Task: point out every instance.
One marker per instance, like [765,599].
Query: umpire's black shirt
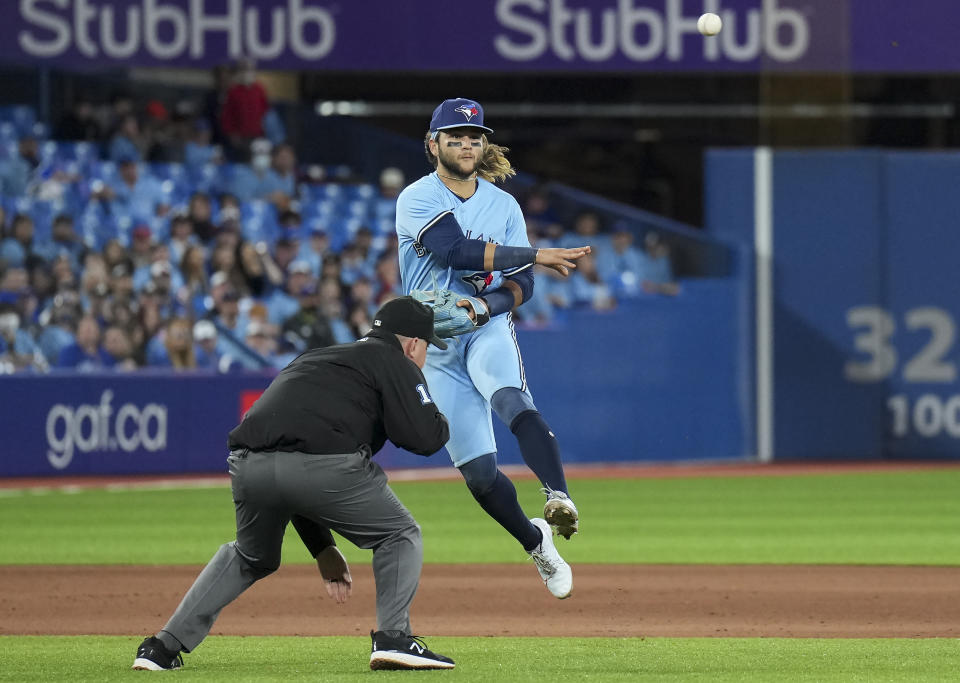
[336,399]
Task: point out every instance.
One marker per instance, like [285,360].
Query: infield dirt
[509,600]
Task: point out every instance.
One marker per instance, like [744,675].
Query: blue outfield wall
[865,254]
[658,379]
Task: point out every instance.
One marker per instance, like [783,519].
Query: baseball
[709,24]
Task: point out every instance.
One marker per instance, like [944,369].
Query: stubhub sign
[644,31]
[499,35]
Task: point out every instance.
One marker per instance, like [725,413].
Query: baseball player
[459,232]
[303,453]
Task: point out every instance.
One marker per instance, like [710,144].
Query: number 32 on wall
[877,326]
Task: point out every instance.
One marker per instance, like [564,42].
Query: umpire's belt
[364,451]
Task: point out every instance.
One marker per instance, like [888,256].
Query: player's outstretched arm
[561,260]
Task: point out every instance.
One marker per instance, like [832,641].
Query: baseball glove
[449,320]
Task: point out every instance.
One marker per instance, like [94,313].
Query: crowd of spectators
[149,247]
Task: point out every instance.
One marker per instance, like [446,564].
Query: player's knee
[258,566]
[509,403]
[480,473]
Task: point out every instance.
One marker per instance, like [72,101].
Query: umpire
[303,454]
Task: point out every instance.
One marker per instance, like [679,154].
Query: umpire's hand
[336,574]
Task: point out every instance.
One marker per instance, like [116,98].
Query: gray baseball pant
[345,492]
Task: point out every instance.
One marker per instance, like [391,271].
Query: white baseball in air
[709,24]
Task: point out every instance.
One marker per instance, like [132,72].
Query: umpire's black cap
[407,316]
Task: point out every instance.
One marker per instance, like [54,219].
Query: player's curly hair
[493,167]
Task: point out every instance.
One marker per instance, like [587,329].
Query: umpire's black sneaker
[395,650]
[153,656]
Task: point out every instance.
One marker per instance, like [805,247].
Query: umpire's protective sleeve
[342,398]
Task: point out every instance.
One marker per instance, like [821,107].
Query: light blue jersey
[475,366]
[490,215]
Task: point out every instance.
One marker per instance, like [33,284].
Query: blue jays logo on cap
[468,110]
[458,113]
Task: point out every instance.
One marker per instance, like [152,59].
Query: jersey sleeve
[418,208]
[411,418]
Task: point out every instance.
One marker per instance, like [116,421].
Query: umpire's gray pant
[346,493]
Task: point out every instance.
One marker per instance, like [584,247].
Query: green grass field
[905,518]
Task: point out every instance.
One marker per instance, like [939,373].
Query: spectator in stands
[42,284]
[315,248]
[622,266]
[176,349]
[117,345]
[114,253]
[18,174]
[94,282]
[163,141]
[538,310]
[352,265]
[153,310]
[285,251]
[658,269]
[205,345]
[181,236]
[587,226]
[386,279]
[121,283]
[284,303]
[391,182]
[279,182]
[141,246]
[111,117]
[200,213]
[252,271]
[259,340]
[361,294]
[308,328]
[80,123]
[586,288]
[17,249]
[85,353]
[213,100]
[127,142]
[199,150]
[360,320]
[196,286]
[58,321]
[538,211]
[63,240]
[133,193]
[246,103]
[227,310]
[330,303]
[18,350]
[363,240]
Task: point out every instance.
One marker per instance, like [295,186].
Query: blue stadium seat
[9,149]
[205,178]
[358,210]
[20,115]
[383,226]
[364,191]
[8,132]
[103,170]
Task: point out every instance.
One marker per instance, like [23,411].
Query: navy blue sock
[498,498]
[539,449]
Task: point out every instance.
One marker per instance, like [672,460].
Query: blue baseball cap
[458,113]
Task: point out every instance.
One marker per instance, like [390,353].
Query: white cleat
[560,512]
[556,573]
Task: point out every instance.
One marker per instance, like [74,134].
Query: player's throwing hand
[561,260]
